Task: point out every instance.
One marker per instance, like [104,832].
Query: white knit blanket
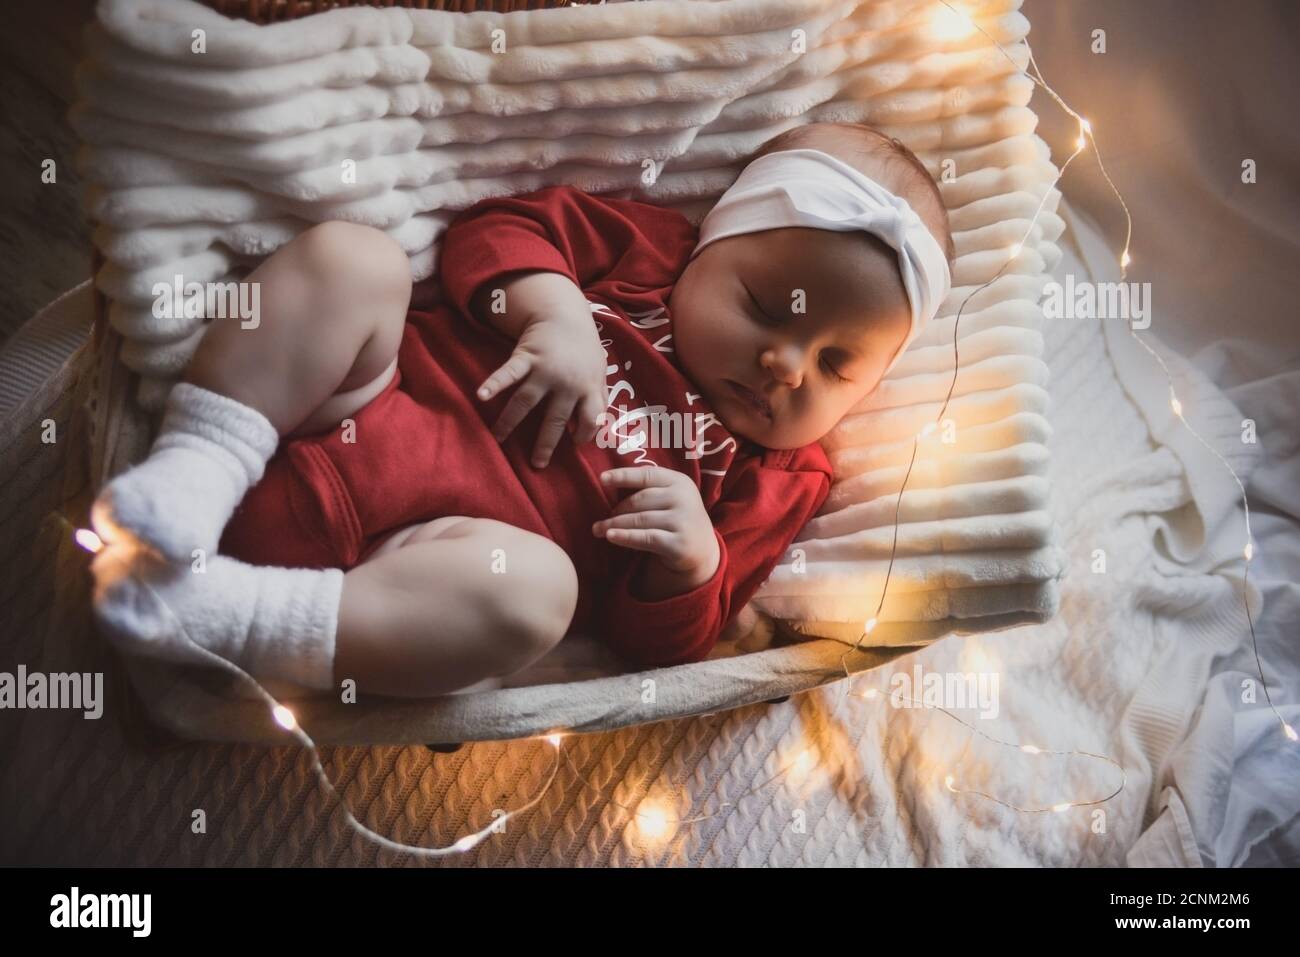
[201,163]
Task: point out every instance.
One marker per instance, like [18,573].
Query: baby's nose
[784,366]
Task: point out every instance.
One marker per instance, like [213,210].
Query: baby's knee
[533,589]
[355,262]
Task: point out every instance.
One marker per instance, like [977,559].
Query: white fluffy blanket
[201,163]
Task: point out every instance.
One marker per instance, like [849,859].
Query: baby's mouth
[750,398]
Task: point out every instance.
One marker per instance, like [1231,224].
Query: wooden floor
[44,236]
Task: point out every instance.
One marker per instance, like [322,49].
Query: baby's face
[806,319]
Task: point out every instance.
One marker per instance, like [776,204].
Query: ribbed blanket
[202,163]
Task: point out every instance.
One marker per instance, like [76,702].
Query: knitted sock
[275,623]
[209,451]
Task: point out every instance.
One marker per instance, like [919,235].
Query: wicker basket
[167,705]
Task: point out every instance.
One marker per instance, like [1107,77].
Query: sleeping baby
[609,422]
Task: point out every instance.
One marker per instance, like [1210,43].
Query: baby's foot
[175,501]
[276,623]
[136,603]
[209,451]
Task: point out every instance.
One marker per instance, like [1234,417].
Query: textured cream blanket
[211,142]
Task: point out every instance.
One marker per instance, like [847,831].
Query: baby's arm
[520,264]
[511,300]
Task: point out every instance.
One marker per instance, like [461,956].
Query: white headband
[807,187]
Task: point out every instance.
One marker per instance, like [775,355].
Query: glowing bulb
[929,428]
[465,843]
[88,540]
[1058,808]
[947,782]
[1176,406]
[869,626]
[1014,251]
[1087,127]
[284,717]
[1249,551]
[949,23]
[1125,260]
[870,694]
[1289,731]
[653,822]
[804,761]
[1080,143]
[554,739]
[1030,749]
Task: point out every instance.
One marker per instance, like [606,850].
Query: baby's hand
[666,517]
[558,354]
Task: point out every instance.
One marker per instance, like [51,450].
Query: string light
[652,819]
[1126,260]
[653,822]
[88,540]
[951,24]
[284,717]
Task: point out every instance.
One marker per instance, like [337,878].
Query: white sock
[275,623]
[209,451]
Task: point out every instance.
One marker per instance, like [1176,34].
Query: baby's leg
[435,610]
[450,603]
[333,302]
[332,308]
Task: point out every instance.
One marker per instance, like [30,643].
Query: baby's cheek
[834,409]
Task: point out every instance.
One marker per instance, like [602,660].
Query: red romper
[423,448]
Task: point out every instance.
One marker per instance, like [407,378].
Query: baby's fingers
[589,409]
[654,540]
[516,410]
[552,430]
[638,476]
[646,500]
[658,519]
[514,369]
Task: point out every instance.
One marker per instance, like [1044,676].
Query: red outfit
[424,448]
